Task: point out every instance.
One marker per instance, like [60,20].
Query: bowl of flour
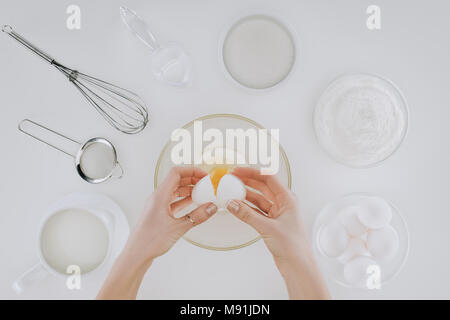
[361,119]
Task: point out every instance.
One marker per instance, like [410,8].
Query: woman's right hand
[275,215]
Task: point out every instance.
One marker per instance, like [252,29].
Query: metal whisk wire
[122,109]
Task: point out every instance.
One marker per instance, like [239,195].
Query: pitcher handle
[30,278]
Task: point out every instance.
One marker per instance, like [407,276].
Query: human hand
[275,215]
[157,229]
[156,232]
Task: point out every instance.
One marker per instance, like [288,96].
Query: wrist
[133,260]
[296,257]
[125,277]
[303,277]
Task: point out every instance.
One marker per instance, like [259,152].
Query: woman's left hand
[158,230]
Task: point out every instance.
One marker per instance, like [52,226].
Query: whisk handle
[10,31]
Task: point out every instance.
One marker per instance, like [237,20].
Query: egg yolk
[216,174]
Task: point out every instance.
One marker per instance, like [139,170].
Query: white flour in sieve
[361,119]
[98,161]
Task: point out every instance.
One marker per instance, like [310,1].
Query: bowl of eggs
[223,231]
[361,241]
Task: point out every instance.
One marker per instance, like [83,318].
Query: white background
[412,49]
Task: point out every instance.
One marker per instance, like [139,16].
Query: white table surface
[412,49]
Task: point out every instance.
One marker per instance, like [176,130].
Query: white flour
[98,161]
[361,120]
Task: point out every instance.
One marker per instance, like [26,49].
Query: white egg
[356,270]
[378,212]
[203,191]
[230,187]
[348,217]
[355,247]
[383,243]
[333,239]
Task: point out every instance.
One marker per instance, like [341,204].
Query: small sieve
[82,154]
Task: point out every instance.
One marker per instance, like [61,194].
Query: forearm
[303,278]
[124,279]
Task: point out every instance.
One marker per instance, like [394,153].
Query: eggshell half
[230,187]
[348,217]
[203,191]
[333,239]
[377,213]
[383,243]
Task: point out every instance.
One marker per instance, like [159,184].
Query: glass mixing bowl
[223,231]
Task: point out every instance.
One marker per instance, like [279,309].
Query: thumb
[248,215]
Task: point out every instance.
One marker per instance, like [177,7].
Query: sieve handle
[21,129]
[10,31]
[119,174]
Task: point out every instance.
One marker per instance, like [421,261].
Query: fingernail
[212,208]
[233,206]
